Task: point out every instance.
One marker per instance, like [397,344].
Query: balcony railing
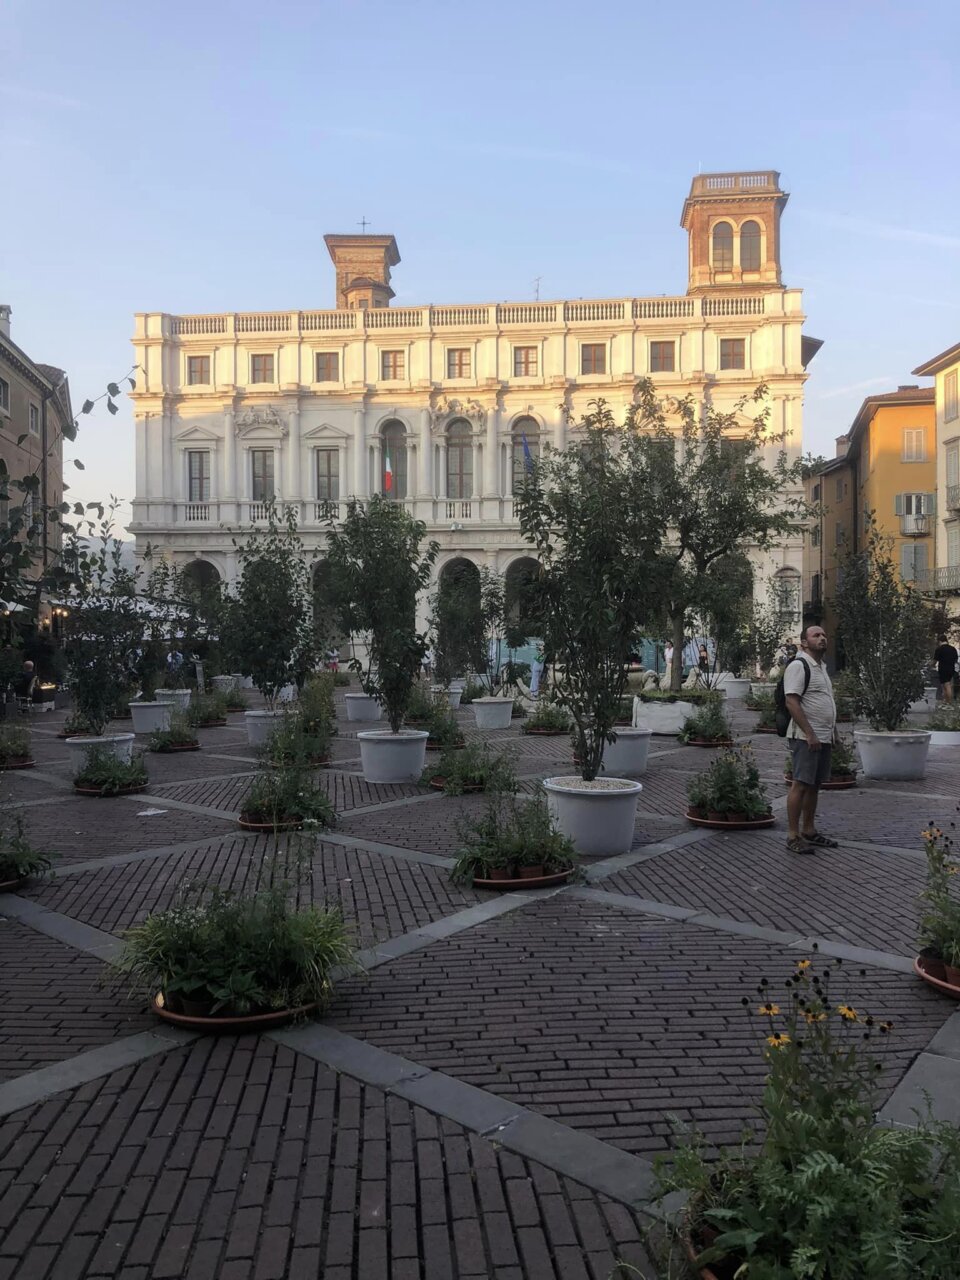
[459,510]
[919,526]
[258,511]
[946,579]
[607,311]
[953,497]
[326,510]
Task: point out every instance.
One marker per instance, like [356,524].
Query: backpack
[781,715]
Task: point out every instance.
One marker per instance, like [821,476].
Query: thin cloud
[882,230]
[41,95]
[575,159]
[849,389]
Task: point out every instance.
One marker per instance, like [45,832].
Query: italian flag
[387,472]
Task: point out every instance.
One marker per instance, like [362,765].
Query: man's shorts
[811,767]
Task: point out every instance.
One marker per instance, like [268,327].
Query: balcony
[919,526]
[953,497]
[945,580]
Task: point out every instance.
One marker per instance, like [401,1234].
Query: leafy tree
[725,610]
[377,572]
[269,618]
[885,626]
[714,491]
[587,512]
[456,623]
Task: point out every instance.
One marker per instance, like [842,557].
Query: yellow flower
[803,964]
[815,1017]
[778,1040]
[769,1009]
[848,1013]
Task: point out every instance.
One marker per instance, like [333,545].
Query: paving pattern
[484,1100]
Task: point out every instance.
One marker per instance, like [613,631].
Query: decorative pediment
[447,408]
[326,431]
[260,417]
[198,435]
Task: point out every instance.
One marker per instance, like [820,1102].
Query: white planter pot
[945,737]
[627,757]
[243,682]
[288,693]
[929,700]
[361,706]
[599,817]
[733,686]
[760,687]
[460,683]
[662,717]
[892,756]
[260,725]
[149,717]
[392,757]
[493,713]
[225,684]
[119,745]
[180,698]
[452,695]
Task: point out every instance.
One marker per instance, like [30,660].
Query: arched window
[459,459]
[786,595]
[393,481]
[750,246]
[723,247]
[524,429]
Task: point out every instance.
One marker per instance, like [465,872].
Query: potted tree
[377,572]
[884,623]
[586,511]
[18,858]
[269,618]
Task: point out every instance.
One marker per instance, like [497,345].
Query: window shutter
[906,562]
[919,560]
[953,543]
[898,504]
[930,504]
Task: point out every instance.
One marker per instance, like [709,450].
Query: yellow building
[886,465]
[945,369]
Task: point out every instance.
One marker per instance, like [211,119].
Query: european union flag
[527,455]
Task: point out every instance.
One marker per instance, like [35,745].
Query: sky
[189,157]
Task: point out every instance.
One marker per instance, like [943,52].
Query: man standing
[811,733]
[945,656]
[536,669]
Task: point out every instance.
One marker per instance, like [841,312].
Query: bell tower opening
[733,224]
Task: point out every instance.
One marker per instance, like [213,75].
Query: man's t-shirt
[818,704]
[946,659]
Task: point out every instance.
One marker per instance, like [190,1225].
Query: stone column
[442,466]
[376,453]
[169,480]
[229,489]
[425,480]
[293,493]
[560,432]
[478,462]
[360,460]
[341,470]
[491,482]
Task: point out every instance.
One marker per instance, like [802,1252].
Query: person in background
[26,681]
[333,660]
[703,658]
[810,735]
[946,657]
[668,657]
[427,661]
[536,670]
[174,662]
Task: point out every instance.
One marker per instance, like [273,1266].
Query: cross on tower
[363,224]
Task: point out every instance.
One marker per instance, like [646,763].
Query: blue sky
[190,157]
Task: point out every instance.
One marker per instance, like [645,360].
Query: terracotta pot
[707,742]
[933,965]
[499,873]
[532,873]
[255,822]
[441,746]
[95,791]
[196,1008]
[520,881]
[11,886]
[705,1273]
[232,1023]
[213,724]
[18,762]
[545,733]
[951,975]
[726,821]
[737,816]
[171,750]
[927,967]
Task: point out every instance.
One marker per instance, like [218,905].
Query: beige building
[312,407]
[34,408]
[944,580]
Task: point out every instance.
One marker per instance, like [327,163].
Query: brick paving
[236,1158]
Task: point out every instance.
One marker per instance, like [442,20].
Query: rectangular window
[4,394]
[953,465]
[593,357]
[733,353]
[261,464]
[521,465]
[840,535]
[328,366]
[459,469]
[663,357]
[458,362]
[913,561]
[524,362]
[34,420]
[953,544]
[913,444]
[815,536]
[839,488]
[198,475]
[915,504]
[261,368]
[816,493]
[951,408]
[198,371]
[393,365]
[328,475]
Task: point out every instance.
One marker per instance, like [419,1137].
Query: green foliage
[14,743]
[270,620]
[766,705]
[18,858]
[549,716]
[884,623]
[472,689]
[945,717]
[456,623]
[730,784]
[315,705]
[442,727]
[475,767]
[708,723]
[102,770]
[209,708]
[587,513]
[510,835]
[421,705]
[341,679]
[236,700]
[181,733]
[298,741]
[288,794]
[377,572]
[828,1193]
[843,758]
[77,725]
[940,899]
[236,955]
[699,697]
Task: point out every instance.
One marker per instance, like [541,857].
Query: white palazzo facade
[308,406]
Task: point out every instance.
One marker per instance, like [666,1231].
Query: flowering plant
[828,1192]
[940,915]
[731,785]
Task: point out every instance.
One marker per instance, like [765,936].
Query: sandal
[799,844]
[821,842]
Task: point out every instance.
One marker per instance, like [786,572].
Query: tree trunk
[676,669]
